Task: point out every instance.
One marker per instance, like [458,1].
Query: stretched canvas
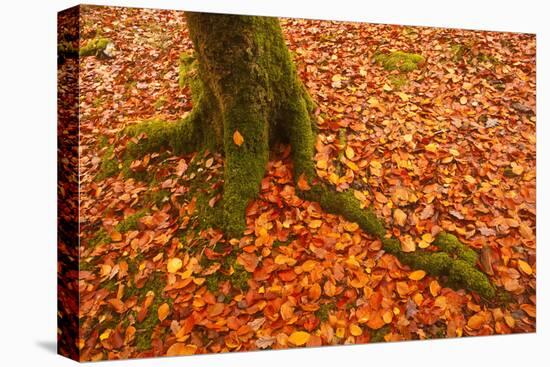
[234,183]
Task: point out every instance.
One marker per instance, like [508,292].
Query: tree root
[181,137]
[455,260]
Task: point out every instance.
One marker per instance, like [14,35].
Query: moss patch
[324,311]
[109,164]
[398,81]
[144,329]
[452,246]
[131,222]
[100,237]
[399,60]
[232,271]
[94,47]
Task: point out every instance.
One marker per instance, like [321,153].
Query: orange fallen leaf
[181,349]
[163,311]
[299,338]
[400,217]
[380,197]
[417,275]
[476,321]
[303,184]
[238,138]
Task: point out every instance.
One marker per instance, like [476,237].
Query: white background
[28,182]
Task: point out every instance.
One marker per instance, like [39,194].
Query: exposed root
[456,260]
[180,137]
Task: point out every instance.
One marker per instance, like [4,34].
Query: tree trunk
[246,83]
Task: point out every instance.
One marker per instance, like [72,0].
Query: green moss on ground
[398,81]
[232,271]
[399,60]
[145,328]
[131,222]
[377,336]
[100,237]
[94,47]
[109,164]
[324,311]
[156,197]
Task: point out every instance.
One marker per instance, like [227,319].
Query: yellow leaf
[423,244]
[387,316]
[299,338]
[180,349]
[525,267]
[387,88]
[163,311]
[427,237]
[238,138]
[283,259]
[400,217]
[351,165]
[454,152]
[355,330]
[417,275]
[408,138]
[463,100]
[174,265]
[434,288]
[351,226]
[309,265]
[316,223]
[322,164]
[105,334]
[432,147]
[404,97]
[349,152]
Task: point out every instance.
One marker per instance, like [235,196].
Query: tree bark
[246,82]
[249,85]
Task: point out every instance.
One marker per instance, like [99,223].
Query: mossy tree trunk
[246,84]
[243,80]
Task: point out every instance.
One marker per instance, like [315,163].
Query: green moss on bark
[451,245]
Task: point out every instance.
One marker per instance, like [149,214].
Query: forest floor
[448,146]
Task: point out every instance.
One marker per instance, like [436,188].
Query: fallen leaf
[238,138]
[163,311]
[174,265]
[400,217]
[299,338]
[417,275]
[181,349]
